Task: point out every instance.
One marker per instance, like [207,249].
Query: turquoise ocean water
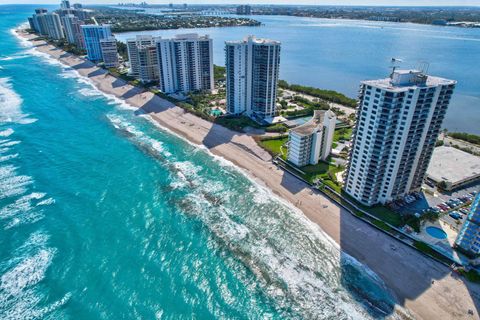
[104,216]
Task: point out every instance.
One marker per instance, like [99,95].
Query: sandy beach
[426,288]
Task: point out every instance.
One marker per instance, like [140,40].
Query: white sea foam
[11,105]
[89,92]
[6,133]
[14,57]
[8,157]
[8,143]
[28,273]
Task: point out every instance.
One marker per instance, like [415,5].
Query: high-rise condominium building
[39,22]
[252,76]
[53,25]
[109,52]
[73,31]
[185,63]
[468,238]
[132,49]
[244,9]
[65,4]
[312,140]
[398,121]
[92,34]
[147,63]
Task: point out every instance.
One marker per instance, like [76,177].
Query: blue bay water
[338,54]
[105,216]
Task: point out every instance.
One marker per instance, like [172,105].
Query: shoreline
[406,272]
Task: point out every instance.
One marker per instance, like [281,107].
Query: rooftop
[453,165]
[254,40]
[403,80]
[312,125]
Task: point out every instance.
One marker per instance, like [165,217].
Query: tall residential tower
[398,122]
[92,34]
[185,63]
[252,76]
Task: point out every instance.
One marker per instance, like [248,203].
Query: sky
[310,2]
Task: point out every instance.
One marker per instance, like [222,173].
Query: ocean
[338,54]
[104,215]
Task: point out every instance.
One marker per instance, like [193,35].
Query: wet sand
[426,288]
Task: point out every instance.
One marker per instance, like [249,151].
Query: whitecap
[27,273]
[8,157]
[8,143]
[6,133]
[11,104]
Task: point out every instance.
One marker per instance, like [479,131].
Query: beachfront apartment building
[53,25]
[109,52]
[38,22]
[468,239]
[92,34]
[398,122]
[185,63]
[252,77]
[73,30]
[312,141]
[147,63]
[132,50]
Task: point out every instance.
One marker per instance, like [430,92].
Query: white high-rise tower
[252,76]
[398,122]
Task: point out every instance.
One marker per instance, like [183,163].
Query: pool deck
[444,245]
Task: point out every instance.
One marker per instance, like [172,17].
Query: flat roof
[453,165]
[387,83]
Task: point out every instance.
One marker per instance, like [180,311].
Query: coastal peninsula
[124,20]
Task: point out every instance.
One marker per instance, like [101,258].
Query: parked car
[455,215]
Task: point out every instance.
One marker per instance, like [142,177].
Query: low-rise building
[468,239]
[312,141]
[453,168]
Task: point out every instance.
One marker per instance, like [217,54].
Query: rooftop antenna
[394,64]
[423,66]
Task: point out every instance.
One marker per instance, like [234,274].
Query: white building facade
[73,31]
[54,26]
[312,141]
[252,77]
[398,122]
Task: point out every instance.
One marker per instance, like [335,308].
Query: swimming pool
[436,233]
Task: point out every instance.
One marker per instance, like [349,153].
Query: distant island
[123,20]
[454,16]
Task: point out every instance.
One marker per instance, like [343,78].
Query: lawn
[237,123]
[321,170]
[342,134]
[273,146]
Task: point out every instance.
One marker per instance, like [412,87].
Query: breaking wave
[295,262]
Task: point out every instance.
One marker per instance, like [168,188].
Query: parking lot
[444,203]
